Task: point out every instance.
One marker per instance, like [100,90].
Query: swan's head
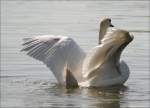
[106,22]
[116,42]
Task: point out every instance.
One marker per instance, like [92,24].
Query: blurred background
[26,82]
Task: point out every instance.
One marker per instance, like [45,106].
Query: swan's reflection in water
[43,94]
[106,97]
[91,97]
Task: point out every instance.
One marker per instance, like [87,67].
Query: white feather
[56,52]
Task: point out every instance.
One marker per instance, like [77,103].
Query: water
[26,82]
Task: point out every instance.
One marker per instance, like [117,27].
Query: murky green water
[26,82]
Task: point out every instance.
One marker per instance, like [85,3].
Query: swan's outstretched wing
[108,34]
[98,55]
[57,52]
[94,59]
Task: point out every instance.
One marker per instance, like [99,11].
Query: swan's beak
[111,25]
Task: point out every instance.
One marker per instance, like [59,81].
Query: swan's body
[72,66]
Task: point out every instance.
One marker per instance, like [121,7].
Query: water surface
[26,82]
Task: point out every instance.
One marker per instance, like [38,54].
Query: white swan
[72,67]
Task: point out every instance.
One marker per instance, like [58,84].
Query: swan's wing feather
[108,37]
[56,52]
[93,60]
[66,54]
[37,46]
[98,55]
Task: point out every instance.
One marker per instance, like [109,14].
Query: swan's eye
[109,20]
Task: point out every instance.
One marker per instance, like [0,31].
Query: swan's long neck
[102,31]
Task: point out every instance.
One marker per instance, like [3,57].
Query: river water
[27,83]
